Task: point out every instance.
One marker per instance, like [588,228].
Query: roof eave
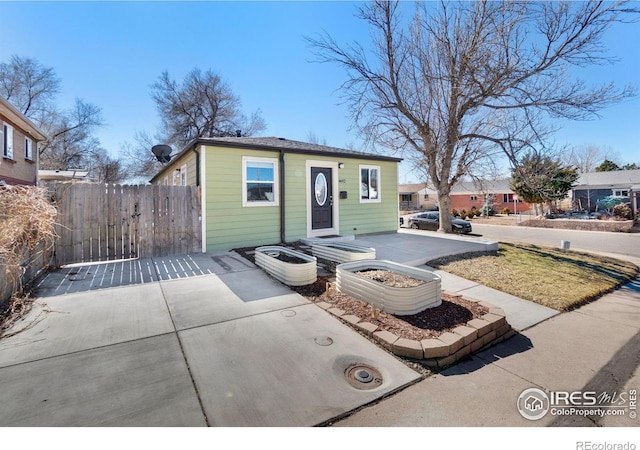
[10,111]
[213,142]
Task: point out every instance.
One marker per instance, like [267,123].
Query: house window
[369,184]
[259,187]
[406,197]
[28,148]
[176,177]
[426,196]
[183,175]
[166,180]
[7,141]
[473,198]
[509,198]
[620,193]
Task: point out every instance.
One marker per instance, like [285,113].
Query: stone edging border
[475,335]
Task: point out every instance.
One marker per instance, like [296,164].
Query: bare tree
[32,88]
[141,164]
[106,169]
[203,105]
[313,138]
[586,158]
[461,81]
[71,143]
[29,86]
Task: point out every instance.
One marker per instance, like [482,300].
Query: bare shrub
[622,211]
[27,220]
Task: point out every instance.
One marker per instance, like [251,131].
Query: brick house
[19,139]
[495,193]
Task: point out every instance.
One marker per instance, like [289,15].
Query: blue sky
[108,53]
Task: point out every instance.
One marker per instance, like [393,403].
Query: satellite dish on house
[162,153]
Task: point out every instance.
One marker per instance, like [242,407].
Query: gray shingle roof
[274,144]
[411,188]
[489,186]
[613,179]
[271,143]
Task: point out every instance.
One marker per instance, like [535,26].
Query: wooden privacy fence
[98,222]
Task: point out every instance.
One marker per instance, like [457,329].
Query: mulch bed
[430,323]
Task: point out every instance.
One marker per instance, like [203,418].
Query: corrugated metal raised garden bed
[425,292]
[342,252]
[289,266]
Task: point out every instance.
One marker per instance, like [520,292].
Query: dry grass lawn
[551,277]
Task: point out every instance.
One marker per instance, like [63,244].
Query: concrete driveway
[186,341]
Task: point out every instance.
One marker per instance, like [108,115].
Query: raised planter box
[394,300]
[342,252]
[273,260]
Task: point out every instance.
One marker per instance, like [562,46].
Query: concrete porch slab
[415,248]
[284,368]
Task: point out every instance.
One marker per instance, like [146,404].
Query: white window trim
[183,175]
[369,200]
[28,149]
[7,151]
[276,187]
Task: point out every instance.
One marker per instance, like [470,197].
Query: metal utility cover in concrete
[276,369]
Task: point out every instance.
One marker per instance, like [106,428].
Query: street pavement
[627,244]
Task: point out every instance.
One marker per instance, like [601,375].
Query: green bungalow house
[267,190]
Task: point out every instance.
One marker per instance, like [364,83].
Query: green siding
[189,159]
[361,218]
[230,225]
[354,217]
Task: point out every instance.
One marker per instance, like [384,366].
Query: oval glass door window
[321,189]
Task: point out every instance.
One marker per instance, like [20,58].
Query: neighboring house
[594,186]
[19,139]
[258,191]
[417,196]
[74,175]
[493,193]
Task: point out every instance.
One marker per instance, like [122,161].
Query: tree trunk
[444,200]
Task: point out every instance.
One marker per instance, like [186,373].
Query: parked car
[431,221]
